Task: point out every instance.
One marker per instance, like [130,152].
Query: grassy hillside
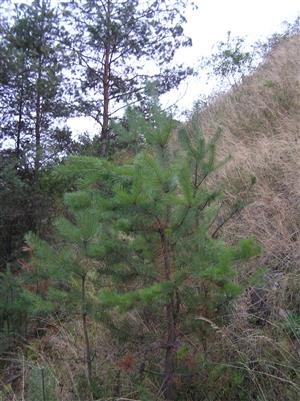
[260,124]
[261,131]
[252,351]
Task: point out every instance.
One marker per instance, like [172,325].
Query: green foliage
[6,392]
[113,48]
[33,61]
[129,300]
[231,62]
[12,308]
[41,384]
[142,231]
[14,200]
[247,248]
[292,324]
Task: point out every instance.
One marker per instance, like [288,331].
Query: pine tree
[32,83]
[113,41]
[168,216]
[148,228]
[65,277]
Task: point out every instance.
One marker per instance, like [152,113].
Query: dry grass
[261,130]
[60,355]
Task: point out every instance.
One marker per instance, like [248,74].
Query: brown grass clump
[59,356]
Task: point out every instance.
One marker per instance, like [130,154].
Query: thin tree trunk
[20,117]
[106,88]
[85,331]
[43,384]
[169,367]
[37,132]
[171,320]
[105,119]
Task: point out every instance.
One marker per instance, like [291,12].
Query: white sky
[253,19]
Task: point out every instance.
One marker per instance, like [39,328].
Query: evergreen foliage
[33,87]
[138,256]
[143,230]
[113,40]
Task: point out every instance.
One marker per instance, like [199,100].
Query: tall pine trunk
[38,117]
[105,119]
[20,115]
[106,88]
[37,161]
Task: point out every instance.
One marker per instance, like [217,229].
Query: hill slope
[246,351]
[261,130]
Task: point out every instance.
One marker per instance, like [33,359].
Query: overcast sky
[253,19]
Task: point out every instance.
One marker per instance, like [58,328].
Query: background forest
[156,260]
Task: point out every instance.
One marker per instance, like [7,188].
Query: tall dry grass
[261,131]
